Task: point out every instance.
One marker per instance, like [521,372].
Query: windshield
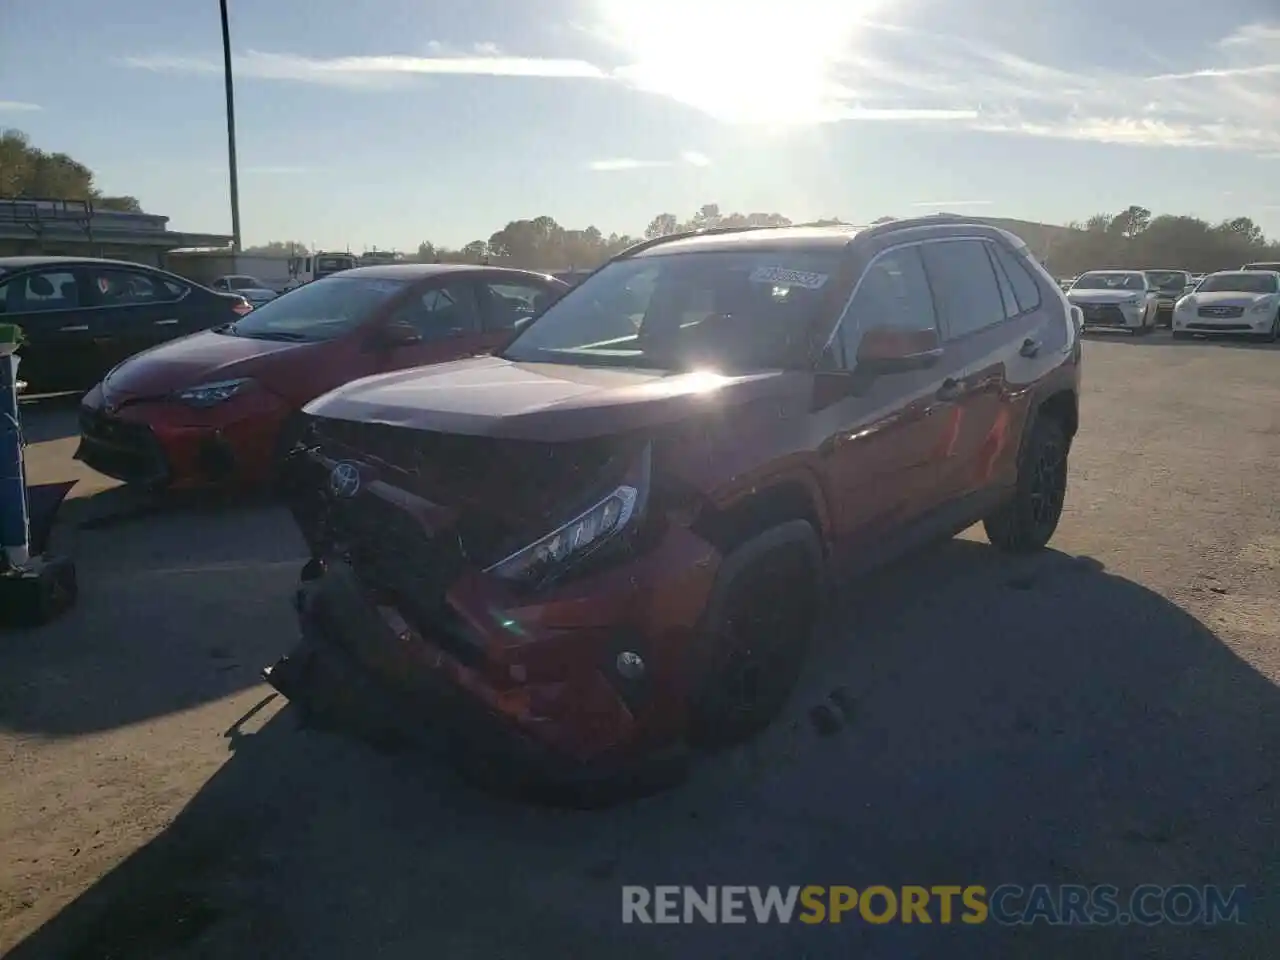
[1239,283]
[1110,281]
[1273,267]
[751,309]
[317,311]
[1167,279]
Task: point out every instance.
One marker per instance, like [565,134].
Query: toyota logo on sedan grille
[344,480]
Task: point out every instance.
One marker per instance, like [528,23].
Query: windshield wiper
[286,335]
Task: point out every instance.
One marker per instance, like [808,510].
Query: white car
[1232,301]
[1115,300]
[251,288]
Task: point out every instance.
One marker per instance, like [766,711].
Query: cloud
[840,61]
[953,203]
[1217,102]
[374,71]
[618,164]
[18,106]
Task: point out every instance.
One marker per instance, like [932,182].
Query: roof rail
[890,226]
[644,245]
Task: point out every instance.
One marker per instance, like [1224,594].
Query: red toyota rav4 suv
[608,540]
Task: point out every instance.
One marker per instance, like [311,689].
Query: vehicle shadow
[52,416]
[182,610]
[1034,720]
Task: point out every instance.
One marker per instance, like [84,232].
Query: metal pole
[231,129]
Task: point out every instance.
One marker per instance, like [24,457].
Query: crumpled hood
[490,396]
[1102,296]
[202,357]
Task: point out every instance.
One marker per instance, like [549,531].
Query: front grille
[1223,312]
[1103,313]
[1220,327]
[392,553]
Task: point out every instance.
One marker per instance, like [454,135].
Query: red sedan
[216,408]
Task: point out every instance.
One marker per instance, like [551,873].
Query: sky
[383,123]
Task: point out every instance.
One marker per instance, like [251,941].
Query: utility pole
[231,129]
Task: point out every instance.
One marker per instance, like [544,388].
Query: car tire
[754,635]
[1027,520]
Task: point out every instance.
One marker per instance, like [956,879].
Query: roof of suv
[811,237]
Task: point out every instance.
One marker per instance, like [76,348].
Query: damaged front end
[420,608]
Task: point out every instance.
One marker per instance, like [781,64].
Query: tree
[278,248]
[1130,222]
[1243,229]
[27,172]
[1098,223]
[663,225]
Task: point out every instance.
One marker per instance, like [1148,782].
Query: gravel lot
[1105,712]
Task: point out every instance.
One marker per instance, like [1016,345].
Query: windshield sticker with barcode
[791,278]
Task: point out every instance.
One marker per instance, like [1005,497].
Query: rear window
[719,309]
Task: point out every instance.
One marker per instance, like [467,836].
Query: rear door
[446,315]
[988,304]
[48,303]
[133,310]
[504,302]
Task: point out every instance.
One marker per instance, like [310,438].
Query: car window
[964,285]
[507,303]
[894,292]
[1011,307]
[441,312]
[1024,284]
[174,290]
[41,290]
[119,288]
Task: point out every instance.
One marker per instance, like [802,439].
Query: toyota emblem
[344,480]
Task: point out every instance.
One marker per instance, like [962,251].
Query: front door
[49,304]
[878,446]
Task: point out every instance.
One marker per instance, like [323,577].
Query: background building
[75,228]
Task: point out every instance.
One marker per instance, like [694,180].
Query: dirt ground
[1106,712]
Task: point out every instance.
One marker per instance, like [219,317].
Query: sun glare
[744,61]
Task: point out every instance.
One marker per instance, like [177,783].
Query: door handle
[1029,348]
[74,328]
[166,323]
[950,390]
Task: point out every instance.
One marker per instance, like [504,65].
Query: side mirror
[396,334]
[890,350]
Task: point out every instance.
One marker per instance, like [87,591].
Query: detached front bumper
[366,670]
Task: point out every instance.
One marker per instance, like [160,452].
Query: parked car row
[1242,302]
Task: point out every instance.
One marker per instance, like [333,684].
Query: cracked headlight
[211,394]
[580,537]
